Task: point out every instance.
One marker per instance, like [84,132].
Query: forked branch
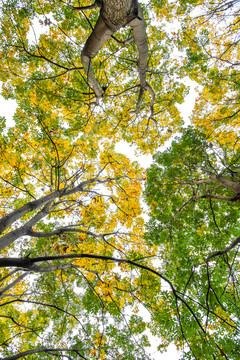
[113,16]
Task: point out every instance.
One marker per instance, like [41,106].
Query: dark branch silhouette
[41,350]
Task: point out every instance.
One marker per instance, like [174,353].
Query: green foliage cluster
[194,224]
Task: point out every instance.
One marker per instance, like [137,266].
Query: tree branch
[28,264]
[221,252]
[102,31]
[9,219]
[97,3]
[10,237]
[229,184]
[219,197]
[40,350]
[13,283]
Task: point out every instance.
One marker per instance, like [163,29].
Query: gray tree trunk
[118,13]
[115,14]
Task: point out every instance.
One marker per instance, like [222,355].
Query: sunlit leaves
[58,166]
[210,41]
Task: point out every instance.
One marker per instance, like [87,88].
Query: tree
[194,223]
[53,72]
[209,40]
[61,196]
[76,268]
[112,17]
[65,193]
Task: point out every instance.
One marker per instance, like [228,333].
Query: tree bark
[230,184]
[41,350]
[100,34]
[221,252]
[118,13]
[10,218]
[114,15]
[140,38]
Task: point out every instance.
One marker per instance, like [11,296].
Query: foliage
[210,39]
[79,279]
[194,222]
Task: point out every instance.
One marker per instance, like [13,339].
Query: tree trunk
[114,15]
[118,13]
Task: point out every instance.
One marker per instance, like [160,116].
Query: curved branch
[105,27]
[222,252]
[100,34]
[97,3]
[140,38]
[29,264]
[229,184]
[53,306]
[41,56]
[18,324]
[40,350]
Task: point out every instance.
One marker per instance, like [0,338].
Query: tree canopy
[87,269]
[194,224]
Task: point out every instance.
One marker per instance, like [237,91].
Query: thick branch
[9,238]
[229,184]
[26,228]
[108,23]
[140,38]
[219,197]
[100,34]
[10,218]
[13,283]
[228,248]
[29,264]
[232,185]
[37,351]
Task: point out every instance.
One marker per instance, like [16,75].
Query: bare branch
[100,34]
[40,350]
[109,21]
[230,184]
[7,239]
